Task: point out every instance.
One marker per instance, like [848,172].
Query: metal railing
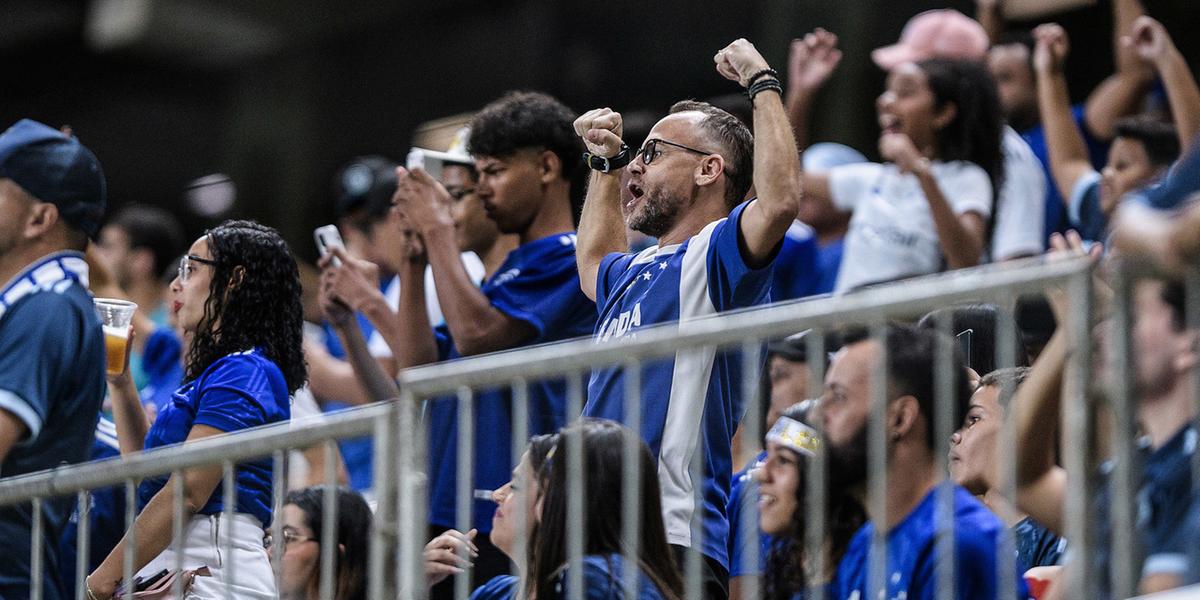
[399,532]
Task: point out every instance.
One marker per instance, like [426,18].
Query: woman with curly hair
[237,300]
[783,480]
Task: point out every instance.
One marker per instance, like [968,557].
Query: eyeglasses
[185,265]
[289,536]
[459,193]
[650,150]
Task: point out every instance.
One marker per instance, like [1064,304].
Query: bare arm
[776,160]
[1150,40]
[128,414]
[601,228]
[1121,93]
[153,525]
[987,12]
[476,326]
[1068,153]
[12,429]
[811,60]
[330,377]
[1041,485]
[412,338]
[379,386]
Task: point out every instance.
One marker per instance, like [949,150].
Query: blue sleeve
[235,394]
[542,295]
[797,273]
[40,339]
[441,337]
[741,497]
[598,580]
[611,267]
[1087,217]
[731,282]
[1181,181]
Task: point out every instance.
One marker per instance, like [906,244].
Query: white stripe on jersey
[689,388]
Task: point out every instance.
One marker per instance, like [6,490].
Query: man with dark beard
[687,187]
[913,480]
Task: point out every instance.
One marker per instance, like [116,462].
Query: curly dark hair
[977,130]
[253,300]
[786,563]
[520,120]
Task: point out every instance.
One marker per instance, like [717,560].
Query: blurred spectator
[1141,152]
[303,523]
[603,447]
[140,245]
[1169,240]
[1164,351]
[1019,205]
[52,353]
[525,155]
[974,464]
[783,489]
[444,555]
[237,298]
[913,481]
[974,326]
[933,201]
[688,186]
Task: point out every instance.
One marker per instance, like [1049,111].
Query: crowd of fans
[540,224]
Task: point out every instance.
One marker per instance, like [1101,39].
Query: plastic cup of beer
[115,315]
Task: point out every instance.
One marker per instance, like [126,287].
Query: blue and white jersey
[237,391]
[798,268]
[912,555]
[52,379]
[692,401]
[538,284]
[743,496]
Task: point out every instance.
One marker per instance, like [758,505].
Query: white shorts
[203,546]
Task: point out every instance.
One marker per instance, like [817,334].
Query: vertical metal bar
[412,525]
[1077,422]
[177,530]
[520,428]
[329,522]
[944,376]
[752,433]
[877,463]
[278,491]
[226,520]
[465,482]
[693,587]
[1192,319]
[36,570]
[631,490]
[383,525]
[1006,357]
[83,543]
[127,570]
[576,519]
[1125,566]
[817,491]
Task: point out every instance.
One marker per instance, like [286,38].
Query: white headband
[795,435]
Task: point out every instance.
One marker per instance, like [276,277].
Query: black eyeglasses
[185,265]
[650,150]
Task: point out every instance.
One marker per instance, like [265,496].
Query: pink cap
[941,33]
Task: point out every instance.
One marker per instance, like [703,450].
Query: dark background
[277,94]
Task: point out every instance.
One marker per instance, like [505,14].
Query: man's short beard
[848,461]
[656,215]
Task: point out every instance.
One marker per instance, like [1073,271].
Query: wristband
[762,86]
[755,77]
[606,164]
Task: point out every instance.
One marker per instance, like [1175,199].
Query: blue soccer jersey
[538,284]
[603,578]
[52,380]
[691,402]
[798,268]
[912,555]
[744,535]
[238,391]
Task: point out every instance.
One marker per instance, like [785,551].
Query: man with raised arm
[688,185]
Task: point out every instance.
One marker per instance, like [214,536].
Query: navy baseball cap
[367,182]
[54,167]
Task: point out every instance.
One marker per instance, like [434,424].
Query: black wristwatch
[607,164]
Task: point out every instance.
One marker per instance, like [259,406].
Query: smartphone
[327,237]
[964,342]
[141,585]
[419,158]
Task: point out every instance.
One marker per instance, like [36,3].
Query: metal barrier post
[465,482]
[576,517]
[36,571]
[632,487]
[83,543]
[520,417]
[877,482]
[1005,355]
[1077,422]
[945,402]
[752,433]
[329,521]
[1125,562]
[383,525]
[817,491]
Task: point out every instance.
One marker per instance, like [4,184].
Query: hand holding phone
[328,237]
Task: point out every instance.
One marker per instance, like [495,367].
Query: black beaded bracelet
[762,86]
[755,77]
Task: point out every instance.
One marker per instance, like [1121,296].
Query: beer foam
[120,332]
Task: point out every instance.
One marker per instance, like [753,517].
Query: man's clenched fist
[739,61]
[601,131]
